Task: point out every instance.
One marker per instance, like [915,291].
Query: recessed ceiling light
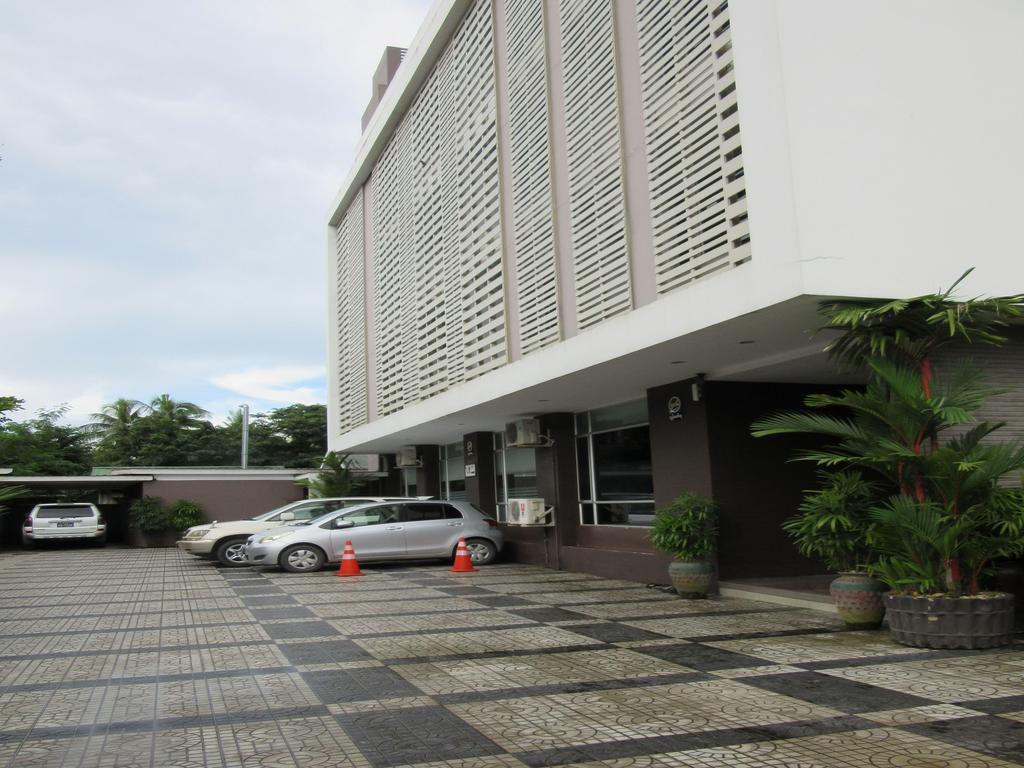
[747,341]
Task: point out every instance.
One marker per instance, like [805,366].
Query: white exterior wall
[882,140]
[878,159]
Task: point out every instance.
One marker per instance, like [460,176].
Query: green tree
[116,430]
[335,478]
[44,446]
[940,514]
[171,433]
[296,435]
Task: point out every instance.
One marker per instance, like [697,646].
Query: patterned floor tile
[879,748]
[493,674]
[798,649]
[468,643]
[419,735]
[152,658]
[566,720]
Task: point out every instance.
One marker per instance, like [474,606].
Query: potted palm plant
[942,512]
[686,529]
[833,525]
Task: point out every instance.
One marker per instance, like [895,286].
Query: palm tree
[115,429]
[941,514]
[910,331]
[180,413]
[115,420]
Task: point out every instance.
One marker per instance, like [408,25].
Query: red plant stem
[926,376]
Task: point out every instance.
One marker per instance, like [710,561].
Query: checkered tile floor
[121,658]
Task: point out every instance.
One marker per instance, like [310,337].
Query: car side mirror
[286,516]
[341,522]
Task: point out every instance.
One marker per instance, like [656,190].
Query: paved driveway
[137,658]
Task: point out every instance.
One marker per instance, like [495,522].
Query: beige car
[224,541]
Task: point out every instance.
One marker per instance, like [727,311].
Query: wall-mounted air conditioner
[528,512]
[525,433]
[406,457]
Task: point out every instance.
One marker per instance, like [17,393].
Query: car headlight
[196,533]
[275,536]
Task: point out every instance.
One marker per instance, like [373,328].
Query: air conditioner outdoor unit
[525,433]
[406,457]
[527,512]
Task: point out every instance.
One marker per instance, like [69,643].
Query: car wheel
[481,551]
[302,558]
[99,541]
[229,553]
[28,543]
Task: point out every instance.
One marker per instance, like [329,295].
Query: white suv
[224,542]
[49,522]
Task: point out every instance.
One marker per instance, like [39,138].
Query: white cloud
[165,175]
[272,384]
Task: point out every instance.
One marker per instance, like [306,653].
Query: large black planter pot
[965,623]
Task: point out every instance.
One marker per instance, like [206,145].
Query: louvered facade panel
[390,242]
[694,155]
[430,123]
[474,169]
[594,156]
[351,317]
[532,229]
[438,292]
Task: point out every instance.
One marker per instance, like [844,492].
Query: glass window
[515,474]
[613,466]
[409,482]
[453,472]
[374,515]
[622,465]
[622,415]
[416,513]
[71,510]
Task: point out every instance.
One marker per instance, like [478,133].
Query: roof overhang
[74,481]
[770,345]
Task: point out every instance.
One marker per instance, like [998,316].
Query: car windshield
[71,510]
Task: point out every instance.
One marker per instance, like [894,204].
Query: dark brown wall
[428,476]
[228,499]
[680,456]
[478,451]
[754,484]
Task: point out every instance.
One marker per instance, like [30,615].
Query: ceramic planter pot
[691,578]
[858,598]
[963,623]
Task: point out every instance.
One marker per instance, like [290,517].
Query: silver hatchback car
[389,531]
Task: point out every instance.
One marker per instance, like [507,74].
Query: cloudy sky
[165,174]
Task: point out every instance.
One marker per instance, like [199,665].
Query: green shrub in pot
[833,525]
[686,529]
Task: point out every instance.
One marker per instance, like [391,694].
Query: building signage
[471,470]
[675,408]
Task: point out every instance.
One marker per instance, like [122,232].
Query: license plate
[65,523]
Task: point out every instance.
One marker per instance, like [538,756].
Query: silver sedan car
[389,531]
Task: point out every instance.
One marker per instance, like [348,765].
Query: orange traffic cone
[462,562]
[349,564]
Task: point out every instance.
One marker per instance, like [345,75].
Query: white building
[588,211]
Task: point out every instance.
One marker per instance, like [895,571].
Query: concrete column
[556,482]
[680,450]
[478,452]
[428,475]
